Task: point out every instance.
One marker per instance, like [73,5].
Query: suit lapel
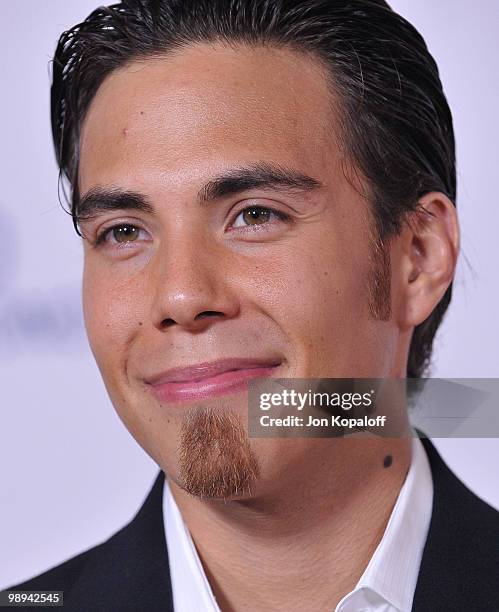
[462,547]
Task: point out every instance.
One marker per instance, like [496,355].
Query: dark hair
[396,123]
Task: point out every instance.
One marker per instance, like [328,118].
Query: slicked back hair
[396,125]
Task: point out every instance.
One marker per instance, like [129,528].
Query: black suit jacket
[130,571]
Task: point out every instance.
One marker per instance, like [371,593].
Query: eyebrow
[262,175]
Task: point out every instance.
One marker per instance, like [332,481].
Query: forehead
[209,103]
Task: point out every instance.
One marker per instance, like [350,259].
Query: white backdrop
[70,473]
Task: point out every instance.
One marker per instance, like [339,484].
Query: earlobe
[431,246]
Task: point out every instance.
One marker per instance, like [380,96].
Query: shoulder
[456,505]
[63,576]
[461,556]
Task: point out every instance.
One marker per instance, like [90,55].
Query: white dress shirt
[388,582]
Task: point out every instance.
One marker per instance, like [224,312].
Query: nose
[192,287]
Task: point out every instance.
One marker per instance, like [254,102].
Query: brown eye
[253,215]
[119,234]
[125,233]
[256,215]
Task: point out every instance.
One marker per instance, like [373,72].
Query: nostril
[167,323]
[207,313]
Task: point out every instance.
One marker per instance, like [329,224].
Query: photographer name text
[332,421]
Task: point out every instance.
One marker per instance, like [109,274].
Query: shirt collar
[190,587]
[390,575]
[392,572]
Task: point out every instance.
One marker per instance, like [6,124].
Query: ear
[427,252]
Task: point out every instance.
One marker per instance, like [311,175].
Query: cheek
[112,310]
[318,294]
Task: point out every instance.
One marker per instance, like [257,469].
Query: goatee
[215,457]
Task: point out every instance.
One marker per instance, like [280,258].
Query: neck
[317,526]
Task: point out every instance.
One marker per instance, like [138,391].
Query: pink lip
[209,379]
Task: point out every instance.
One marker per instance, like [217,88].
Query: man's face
[202,278]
